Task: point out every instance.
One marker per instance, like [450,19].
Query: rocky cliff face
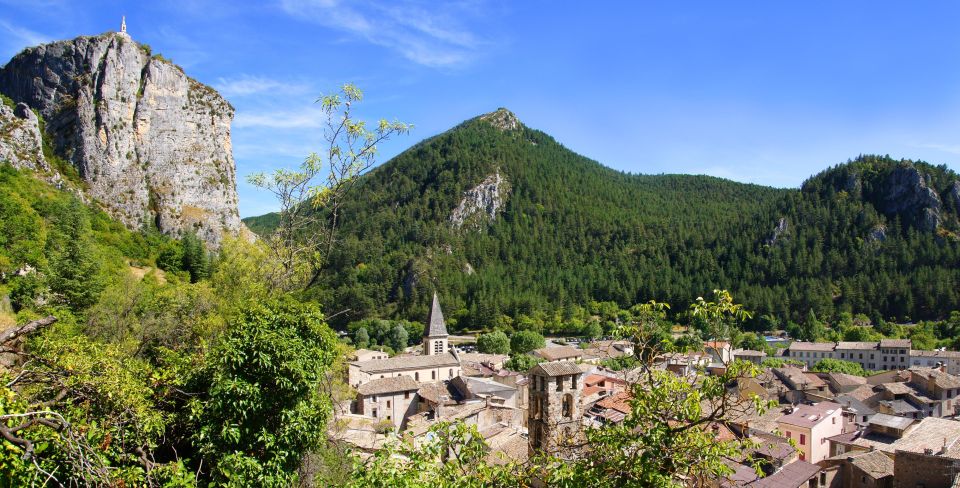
[909,194]
[20,140]
[483,200]
[152,144]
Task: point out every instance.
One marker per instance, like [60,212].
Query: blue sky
[764,92]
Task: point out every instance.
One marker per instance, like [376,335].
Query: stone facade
[554,416]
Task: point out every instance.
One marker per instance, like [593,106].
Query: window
[789,434]
[433,375]
[389,418]
[450,373]
[559,383]
[803,439]
[568,406]
[406,395]
[861,356]
[381,377]
[573,382]
[803,456]
[834,423]
[416,376]
[388,403]
[871,356]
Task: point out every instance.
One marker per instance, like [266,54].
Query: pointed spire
[436,327]
[123,24]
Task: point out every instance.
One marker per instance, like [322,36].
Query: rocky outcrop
[502,119]
[909,194]
[20,142]
[481,202]
[778,231]
[151,143]
[954,195]
[877,234]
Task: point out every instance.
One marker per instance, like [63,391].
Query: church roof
[436,327]
[405,363]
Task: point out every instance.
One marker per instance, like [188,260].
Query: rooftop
[561,368]
[388,385]
[874,463]
[810,415]
[907,343]
[857,345]
[943,380]
[843,379]
[929,433]
[749,352]
[403,363]
[619,402]
[558,353]
[811,346]
[792,475]
[935,354]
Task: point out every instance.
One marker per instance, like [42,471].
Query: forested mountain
[504,220]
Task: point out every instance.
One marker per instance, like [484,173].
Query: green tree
[593,330]
[829,365]
[195,258]
[398,338]
[264,407]
[495,342]
[525,341]
[75,268]
[521,362]
[361,338]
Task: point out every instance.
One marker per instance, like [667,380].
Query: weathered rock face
[909,194]
[502,119]
[151,143]
[778,230]
[20,141]
[485,199]
[954,194]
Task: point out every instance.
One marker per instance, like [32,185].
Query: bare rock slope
[151,143]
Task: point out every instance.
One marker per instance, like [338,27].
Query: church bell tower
[435,332]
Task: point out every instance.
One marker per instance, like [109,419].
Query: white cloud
[425,33]
[280,119]
[252,85]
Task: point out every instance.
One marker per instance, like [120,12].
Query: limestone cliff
[152,144]
[20,140]
[483,201]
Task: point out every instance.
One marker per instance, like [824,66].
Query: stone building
[391,399]
[554,417]
[439,362]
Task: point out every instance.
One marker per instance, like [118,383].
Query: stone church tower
[554,417]
[435,333]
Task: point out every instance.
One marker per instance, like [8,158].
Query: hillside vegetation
[569,231]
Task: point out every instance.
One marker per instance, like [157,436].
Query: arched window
[450,373]
[567,406]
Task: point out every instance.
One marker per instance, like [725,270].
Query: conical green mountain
[502,219]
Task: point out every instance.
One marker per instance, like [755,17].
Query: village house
[933,359]
[810,426]
[361,355]
[392,399]
[749,355]
[887,354]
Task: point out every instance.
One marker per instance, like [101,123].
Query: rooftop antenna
[123,24]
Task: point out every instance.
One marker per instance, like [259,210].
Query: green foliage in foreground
[829,365]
